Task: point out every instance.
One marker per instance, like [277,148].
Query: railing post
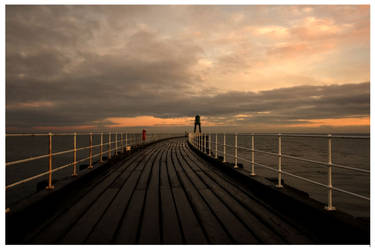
[205,143]
[224,150]
[126,140]
[209,144]
[199,142]
[90,163]
[109,145]
[50,186]
[330,207]
[116,143]
[75,155]
[235,151]
[202,142]
[101,147]
[122,143]
[279,185]
[216,146]
[252,156]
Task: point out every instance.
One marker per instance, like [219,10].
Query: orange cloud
[338,122]
[149,121]
[272,31]
[30,105]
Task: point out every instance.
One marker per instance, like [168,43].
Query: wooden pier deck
[165,194]
[162,194]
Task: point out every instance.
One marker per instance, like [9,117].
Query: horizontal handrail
[300,135]
[203,142]
[287,173]
[54,170]
[351,193]
[59,153]
[303,159]
[120,144]
[71,134]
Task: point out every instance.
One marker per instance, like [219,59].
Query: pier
[169,191]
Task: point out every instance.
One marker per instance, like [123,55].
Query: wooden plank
[127,233]
[271,223]
[190,225]
[105,229]
[239,233]
[262,232]
[64,205]
[164,181]
[59,227]
[173,179]
[82,228]
[192,232]
[86,223]
[214,231]
[171,231]
[130,224]
[150,224]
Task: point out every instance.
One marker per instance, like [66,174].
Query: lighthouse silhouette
[197,123]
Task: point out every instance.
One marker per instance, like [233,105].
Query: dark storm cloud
[302,102]
[279,106]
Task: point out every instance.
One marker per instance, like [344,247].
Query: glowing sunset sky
[249,68]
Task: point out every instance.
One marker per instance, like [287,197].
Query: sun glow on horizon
[337,122]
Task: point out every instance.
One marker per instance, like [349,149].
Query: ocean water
[349,152]
[18,148]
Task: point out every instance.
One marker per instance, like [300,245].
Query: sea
[349,152]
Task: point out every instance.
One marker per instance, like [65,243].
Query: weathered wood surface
[166,194]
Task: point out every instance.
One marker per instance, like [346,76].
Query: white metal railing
[198,140]
[120,145]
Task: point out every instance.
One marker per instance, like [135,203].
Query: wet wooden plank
[214,231]
[164,181]
[190,225]
[171,231]
[269,227]
[150,227]
[105,229]
[61,224]
[238,232]
[85,224]
[129,226]
[174,182]
[192,232]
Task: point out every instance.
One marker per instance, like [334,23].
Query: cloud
[284,106]
[85,66]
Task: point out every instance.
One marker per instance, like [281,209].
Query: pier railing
[205,142]
[120,143]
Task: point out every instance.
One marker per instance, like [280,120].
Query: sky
[245,68]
